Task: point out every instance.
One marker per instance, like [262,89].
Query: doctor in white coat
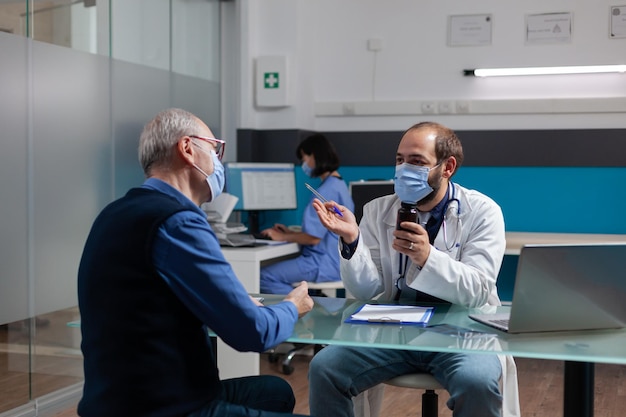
[452,254]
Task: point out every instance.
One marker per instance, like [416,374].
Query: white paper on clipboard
[399,314]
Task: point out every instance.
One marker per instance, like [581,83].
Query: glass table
[580,350]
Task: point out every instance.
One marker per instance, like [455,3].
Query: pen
[384,320]
[321,197]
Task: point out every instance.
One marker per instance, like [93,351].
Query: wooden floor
[540,381]
[56,365]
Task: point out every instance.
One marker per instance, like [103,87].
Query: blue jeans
[255,396]
[338,373]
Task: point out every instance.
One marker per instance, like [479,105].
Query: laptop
[566,287]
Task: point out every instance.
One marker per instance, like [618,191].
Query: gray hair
[159,136]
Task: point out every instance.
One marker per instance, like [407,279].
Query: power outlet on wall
[462,106]
[445,107]
[428,107]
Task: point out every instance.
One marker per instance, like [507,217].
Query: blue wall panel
[551,199]
[556,199]
[533,199]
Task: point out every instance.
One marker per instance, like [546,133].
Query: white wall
[326,45]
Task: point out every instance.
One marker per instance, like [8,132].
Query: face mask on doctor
[411,182]
[216,180]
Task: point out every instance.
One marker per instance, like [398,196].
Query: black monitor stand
[253,221]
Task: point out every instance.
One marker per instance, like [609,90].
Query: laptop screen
[569,287]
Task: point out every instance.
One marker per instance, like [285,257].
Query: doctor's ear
[449,167]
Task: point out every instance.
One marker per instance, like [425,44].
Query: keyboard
[501,322]
[237,240]
[261,236]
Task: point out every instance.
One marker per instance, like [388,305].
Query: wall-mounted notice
[548,28]
[618,22]
[469,30]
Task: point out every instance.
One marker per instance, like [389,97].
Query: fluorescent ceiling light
[589,69]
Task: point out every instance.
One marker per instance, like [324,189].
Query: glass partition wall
[79,81]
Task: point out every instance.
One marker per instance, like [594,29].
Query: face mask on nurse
[308,171]
[216,180]
[411,182]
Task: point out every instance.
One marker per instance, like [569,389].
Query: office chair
[423,381]
[320,289]
[287,368]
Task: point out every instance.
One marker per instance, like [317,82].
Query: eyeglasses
[219,144]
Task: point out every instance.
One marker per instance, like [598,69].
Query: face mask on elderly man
[216,180]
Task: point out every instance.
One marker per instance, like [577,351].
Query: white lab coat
[461,268]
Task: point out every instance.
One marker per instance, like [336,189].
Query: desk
[579,350]
[515,240]
[247,262]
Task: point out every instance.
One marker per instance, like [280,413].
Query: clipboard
[391,314]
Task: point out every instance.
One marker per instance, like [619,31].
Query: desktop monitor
[261,186]
[363,192]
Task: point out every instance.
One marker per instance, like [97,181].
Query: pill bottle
[406,213]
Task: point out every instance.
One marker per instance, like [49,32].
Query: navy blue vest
[145,353]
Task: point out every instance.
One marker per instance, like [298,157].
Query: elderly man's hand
[300,297]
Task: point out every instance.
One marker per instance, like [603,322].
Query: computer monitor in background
[364,191]
[261,186]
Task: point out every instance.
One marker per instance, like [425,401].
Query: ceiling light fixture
[500,72]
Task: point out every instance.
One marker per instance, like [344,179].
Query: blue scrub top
[333,188]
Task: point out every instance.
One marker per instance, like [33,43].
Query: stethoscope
[455,242]
[403,260]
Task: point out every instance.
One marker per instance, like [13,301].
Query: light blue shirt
[187,255]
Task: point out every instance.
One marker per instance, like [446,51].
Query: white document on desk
[220,209]
[381,313]
[228,228]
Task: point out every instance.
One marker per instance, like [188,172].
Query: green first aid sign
[271,80]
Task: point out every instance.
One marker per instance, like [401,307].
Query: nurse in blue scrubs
[319,258]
